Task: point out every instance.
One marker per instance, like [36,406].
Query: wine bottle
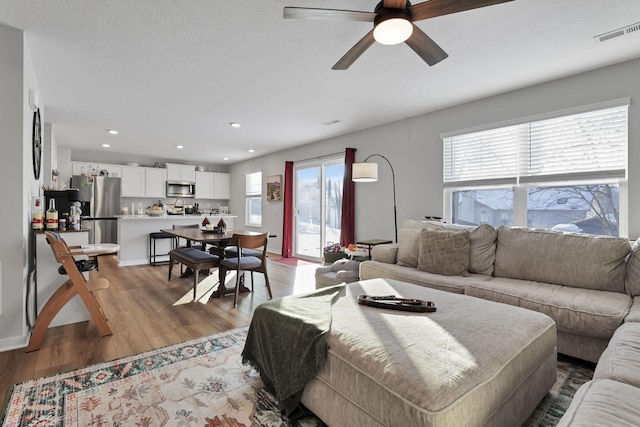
[52,216]
[36,217]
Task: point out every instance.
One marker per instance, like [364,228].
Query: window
[565,171]
[253,193]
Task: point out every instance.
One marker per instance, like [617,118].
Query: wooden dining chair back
[188,243]
[258,264]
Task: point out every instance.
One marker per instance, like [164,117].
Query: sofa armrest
[323,270]
[634,311]
[386,253]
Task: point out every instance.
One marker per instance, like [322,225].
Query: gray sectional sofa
[589,285]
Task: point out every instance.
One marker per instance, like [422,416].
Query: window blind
[592,144]
[588,145]
[253,184]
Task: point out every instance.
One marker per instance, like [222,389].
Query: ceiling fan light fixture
[392,31]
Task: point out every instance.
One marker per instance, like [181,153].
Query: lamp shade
[364,172]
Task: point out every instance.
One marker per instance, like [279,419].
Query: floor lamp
[368,172]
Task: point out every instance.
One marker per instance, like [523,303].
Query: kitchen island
[133,234]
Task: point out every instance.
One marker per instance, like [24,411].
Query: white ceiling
[167,72]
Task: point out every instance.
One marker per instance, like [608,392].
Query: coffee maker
[64,200]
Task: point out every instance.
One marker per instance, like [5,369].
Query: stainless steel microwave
[181,189]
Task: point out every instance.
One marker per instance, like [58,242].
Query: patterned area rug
[196,383]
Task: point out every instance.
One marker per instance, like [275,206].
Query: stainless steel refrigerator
[100,203]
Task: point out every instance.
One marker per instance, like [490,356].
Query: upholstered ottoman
[471,363]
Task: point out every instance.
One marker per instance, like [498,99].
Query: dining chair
[196,260]
[188,243]
[244,262]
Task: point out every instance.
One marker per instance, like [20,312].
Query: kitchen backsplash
[206,206]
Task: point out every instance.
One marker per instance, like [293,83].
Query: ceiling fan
[393,23]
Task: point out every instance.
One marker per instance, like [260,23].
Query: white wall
[414,148]
[17,76]
[50,155]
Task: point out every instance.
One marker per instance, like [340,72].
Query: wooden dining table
[201,235]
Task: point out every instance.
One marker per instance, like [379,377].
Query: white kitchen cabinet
[89,168]
[177,172]
[204,185]
[155,182]
[213,185]
[115,171]
[133,182]
[221,186]
[78,168]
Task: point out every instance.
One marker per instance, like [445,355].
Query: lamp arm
[393,179]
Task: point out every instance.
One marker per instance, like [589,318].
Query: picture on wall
[274,188]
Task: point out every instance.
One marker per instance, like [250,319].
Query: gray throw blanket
[287,342]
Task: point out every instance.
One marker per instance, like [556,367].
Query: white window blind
[253,184]
[490,156]
[587,145]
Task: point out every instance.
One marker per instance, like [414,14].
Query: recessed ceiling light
[225,158]
[179,147]
[235,124]
[112,131]
[106,145]
[251,150]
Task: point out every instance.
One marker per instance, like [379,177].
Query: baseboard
[14,343]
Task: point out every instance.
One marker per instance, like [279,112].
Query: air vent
[617,33]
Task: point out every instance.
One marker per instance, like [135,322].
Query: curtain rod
[320,157]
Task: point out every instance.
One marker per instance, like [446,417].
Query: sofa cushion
[582,261]
[374,269]
[634,311]
[444,252]
[408,246]
[632,280]
[621,360]
[603,403]
[386,252]
[419,224]
[482,249]
[579,311]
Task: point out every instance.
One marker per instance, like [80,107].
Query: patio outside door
[318,201]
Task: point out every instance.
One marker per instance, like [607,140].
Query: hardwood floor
[146,311]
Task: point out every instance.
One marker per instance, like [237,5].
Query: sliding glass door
[318,200]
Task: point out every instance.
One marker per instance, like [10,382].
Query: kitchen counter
[133,234]
[165,216]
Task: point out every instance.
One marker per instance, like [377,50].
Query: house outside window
[253,195]
[563,171]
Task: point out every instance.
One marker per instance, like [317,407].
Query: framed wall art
[274,188]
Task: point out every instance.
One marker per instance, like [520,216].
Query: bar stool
[152,247]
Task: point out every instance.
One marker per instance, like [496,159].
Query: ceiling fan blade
[426,48]
[355,52]
[312,13]
[433,8]
[394,4]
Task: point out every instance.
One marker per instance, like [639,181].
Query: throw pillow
[408,247]
[444,252]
